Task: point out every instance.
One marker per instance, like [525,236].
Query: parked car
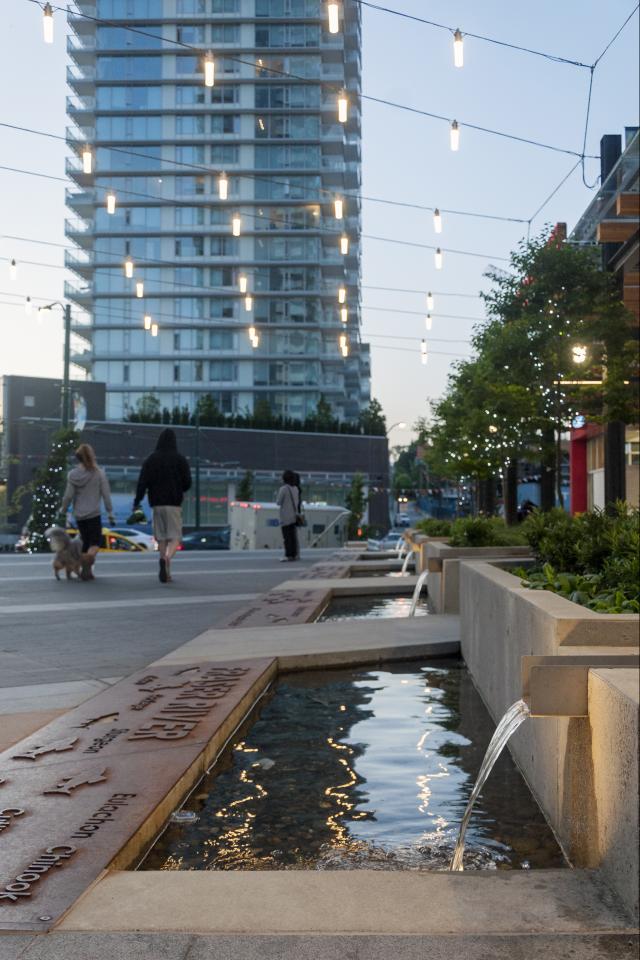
[113,542]
[403,520]
[146,541]
[217,539]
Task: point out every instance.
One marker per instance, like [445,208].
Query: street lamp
[66,390]
[400,424]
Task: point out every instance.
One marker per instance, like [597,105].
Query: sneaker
[162,573]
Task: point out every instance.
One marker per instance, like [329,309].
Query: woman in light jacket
[288,501]
[87,487]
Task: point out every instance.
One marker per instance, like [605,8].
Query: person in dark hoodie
[87,486]
[165,476]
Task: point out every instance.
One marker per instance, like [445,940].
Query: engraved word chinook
[7,815]
[66,784]
[56,746]
[21,886]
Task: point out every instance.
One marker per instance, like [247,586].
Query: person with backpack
[87,486]
[165,477]
[288,501]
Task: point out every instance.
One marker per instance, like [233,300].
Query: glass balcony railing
[79,198]
[76,44]
[80,134]
[80,105]
[78,75]
[74,292]
[77,225]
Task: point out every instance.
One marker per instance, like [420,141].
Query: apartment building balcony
[81,110]
[82,295]
[82,79]
[81,49]
[80,201]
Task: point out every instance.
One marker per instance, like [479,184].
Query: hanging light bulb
[429,301]
[128,268]
[111,202]
[236,224]
[424,356]
[458,49]
[13,269]
[345,350]
[342,294]
[209,70]
[223,186]
[455,135]
[344,314]
[342,340]
[338,208]
[47,23]
[343,107]
[87,159]
[28,306]
[333,14]
[579,353]
[147,321]
[154,329]
[437,221]
[248,303]
[252,333]
[139,289]
[242,283]
[428,321]
[438,259]
[344,244]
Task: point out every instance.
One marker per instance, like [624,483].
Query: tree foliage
[48,488]
[245,487]
[356,503]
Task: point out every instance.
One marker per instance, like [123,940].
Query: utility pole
[66,384]
[197,471]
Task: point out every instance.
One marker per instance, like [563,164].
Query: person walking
[165,476]
[288,501]
[87,486]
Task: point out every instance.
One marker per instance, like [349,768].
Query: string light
[344,314]
[147,321]
[437,221]
[338,208]
[223,186]
[438,259]
[579,353]
[139,289]
[254,337]
[111,203]
[128,268]
[236,224]
[333,15]
[28,306]
[344,244]
[342,294]
[342,340]
[154,329]
[458,49]
[47,23]
[209,70]
[343,107]
[242,283]
[87,159]
[424,356]
[248,303]
[429,301]
[13,269]
[428,321]
[455,135]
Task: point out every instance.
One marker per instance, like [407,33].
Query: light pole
[65,399]
[197,471]
[401,424]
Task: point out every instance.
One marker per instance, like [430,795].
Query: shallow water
[365,768]
[363,608]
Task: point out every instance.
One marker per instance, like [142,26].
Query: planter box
[576,781]
[443,562]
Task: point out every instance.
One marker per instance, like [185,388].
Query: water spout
[515,715]
[400,547]
[422,579]
[407,561]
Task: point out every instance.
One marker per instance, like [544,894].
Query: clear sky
[405,158]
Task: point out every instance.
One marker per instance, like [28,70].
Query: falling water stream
[407,561]
[515,715]
[422,579]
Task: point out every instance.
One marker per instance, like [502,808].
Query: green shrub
[485,532]
[434,528]
[591,558]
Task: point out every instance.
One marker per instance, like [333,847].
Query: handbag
[301,520]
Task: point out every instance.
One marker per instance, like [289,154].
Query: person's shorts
[167,523]
[90,532]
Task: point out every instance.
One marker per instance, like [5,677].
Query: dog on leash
[68,552]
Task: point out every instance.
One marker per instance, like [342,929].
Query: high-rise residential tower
[232,292]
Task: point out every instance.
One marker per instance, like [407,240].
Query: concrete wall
[442,562]
[500,622]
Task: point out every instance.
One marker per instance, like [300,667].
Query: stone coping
[571,623]
[362,901]
[437,552]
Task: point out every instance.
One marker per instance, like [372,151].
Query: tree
[245,487]
[263,416]
[147,410]
[373,420]
[208,412]
[323,417]
[356,503]
[48,488]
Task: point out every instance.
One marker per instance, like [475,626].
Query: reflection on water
[365,768]
[363,608]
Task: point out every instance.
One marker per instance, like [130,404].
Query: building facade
[160,141]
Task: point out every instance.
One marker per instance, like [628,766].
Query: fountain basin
[370,607]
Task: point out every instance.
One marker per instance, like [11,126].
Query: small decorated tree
[48,488]
[245,487]
[356,503]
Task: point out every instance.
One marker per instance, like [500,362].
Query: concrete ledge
[362,586]
[363,901]
[443,564]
